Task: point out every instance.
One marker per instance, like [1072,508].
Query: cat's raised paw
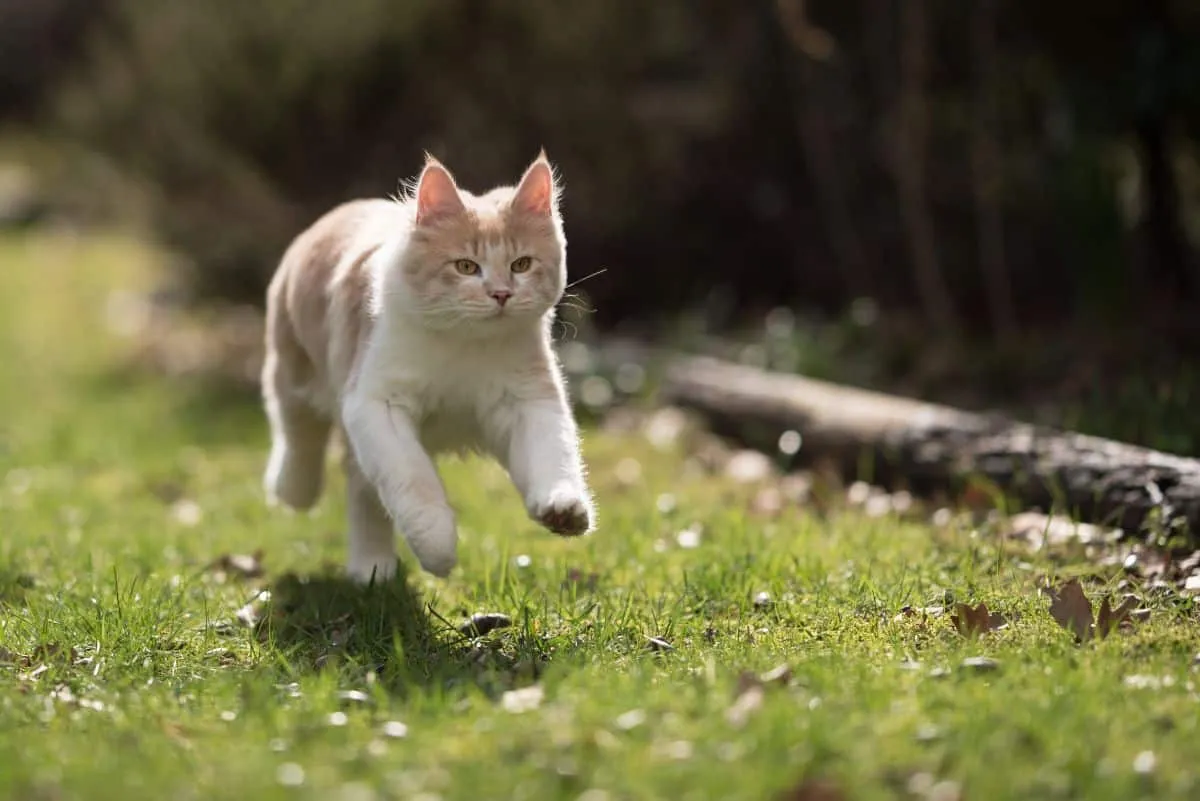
[565,512]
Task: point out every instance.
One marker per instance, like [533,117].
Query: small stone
[186,512]
[944,791]
[980,664]
[631,719]
[484,623]
[790,442]
[921,783]
[522,700]
[338,719]
[877,505]
[781,674]
[858,493]
[1144,763]
[228,716]
[928,733]
[748,466]
[628,471]
[289,774]
[395,730]
[762,600]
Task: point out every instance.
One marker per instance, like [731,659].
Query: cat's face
[486,261]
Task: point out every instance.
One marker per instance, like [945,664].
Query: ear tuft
[437,194]
[538,191]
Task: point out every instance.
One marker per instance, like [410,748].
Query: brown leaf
[1108,618]
[972,622]
[1071,609]
[238,565]
[813,790]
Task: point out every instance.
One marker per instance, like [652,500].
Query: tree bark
[911,132]
[930,448]
[811,46]
[987,171]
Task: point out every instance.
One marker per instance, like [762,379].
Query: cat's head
[486,261]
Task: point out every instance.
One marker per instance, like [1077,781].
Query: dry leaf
[1071,609]
[974,621]
[1108,618]
[813,790]
[484,623]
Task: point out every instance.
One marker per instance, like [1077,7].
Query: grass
[123,673]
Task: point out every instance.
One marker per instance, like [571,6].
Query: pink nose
[501,296]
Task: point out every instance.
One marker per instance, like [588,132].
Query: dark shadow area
[325,621]
[14,585]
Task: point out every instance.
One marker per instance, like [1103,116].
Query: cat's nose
[501,296]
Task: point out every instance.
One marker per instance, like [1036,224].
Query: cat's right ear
[437,194]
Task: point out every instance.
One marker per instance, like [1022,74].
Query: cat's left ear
[538,191]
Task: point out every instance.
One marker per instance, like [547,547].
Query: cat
[416,326]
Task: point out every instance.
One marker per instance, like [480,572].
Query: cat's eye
[466,267]
[521,265]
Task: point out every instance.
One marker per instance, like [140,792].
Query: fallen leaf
[813,790]
[8,657]
[781,675]
[1109,618]
[1071,609]
[483,623]
[238,565]
[974,621]
[577,578]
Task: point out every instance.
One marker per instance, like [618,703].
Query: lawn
[628,671]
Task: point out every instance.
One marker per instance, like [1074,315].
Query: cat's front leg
[543,458]
[390,456]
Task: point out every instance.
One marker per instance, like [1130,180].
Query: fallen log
[930,448]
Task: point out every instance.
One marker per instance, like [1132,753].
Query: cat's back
[318,300]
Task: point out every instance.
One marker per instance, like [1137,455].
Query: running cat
[418,326]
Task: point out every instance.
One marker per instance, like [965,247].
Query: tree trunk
[930,448]
[909,166]
[987,171]
[812,46]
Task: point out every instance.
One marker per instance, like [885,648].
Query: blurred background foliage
[990,172]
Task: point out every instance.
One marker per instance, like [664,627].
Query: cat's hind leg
[299,437]
[372,545]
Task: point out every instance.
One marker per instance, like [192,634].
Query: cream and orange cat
[419,326]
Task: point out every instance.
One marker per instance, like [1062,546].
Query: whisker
[579,281]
